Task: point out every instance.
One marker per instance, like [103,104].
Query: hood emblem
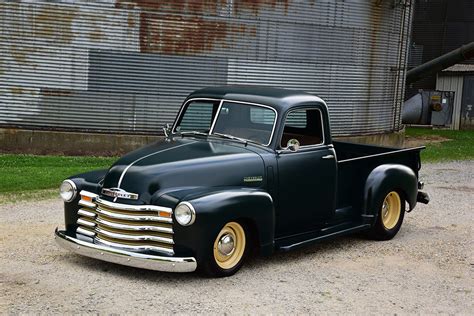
[253,179]
[119,193]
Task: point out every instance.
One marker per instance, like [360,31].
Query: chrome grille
[131,227]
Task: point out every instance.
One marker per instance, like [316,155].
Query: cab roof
[280,99]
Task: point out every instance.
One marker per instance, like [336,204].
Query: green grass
[443,145]
[26,177]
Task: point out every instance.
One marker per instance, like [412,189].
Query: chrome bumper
[128,258]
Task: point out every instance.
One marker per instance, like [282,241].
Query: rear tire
[389,218]
[227,253]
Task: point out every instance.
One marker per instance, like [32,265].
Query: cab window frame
[302,147]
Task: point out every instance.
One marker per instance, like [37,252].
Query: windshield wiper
[230,137]
[193,133]
[243,140]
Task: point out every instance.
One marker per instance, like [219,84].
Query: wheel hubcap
[229,246]
[391,210]
[226,245]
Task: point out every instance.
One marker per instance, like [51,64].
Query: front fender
[389,177]
[217,207]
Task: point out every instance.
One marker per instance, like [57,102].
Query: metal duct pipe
[433,66]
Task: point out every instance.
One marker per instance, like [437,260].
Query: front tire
[228,252]
[389,218]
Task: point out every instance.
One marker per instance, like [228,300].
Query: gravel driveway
[427,268]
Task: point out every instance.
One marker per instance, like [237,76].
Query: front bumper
[128,258]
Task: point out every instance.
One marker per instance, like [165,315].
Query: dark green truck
[243,170]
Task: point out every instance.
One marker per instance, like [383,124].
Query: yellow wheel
[229,246]
[391,210]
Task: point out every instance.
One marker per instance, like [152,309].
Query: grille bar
[86,232]
[125,207]
[132,227]
[150,218]
[86,203]
[86,213]
[84,222]
[133,237]
[106,223]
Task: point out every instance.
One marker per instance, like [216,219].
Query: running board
[324,237]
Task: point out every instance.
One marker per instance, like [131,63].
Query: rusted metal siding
[126,66]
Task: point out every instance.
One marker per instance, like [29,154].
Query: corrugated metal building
[459,79]
[125,66]
[439,26]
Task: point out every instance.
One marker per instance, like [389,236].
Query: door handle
[327,157]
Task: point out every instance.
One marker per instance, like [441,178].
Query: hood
[186,162]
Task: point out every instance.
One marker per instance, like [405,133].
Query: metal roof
[460,68]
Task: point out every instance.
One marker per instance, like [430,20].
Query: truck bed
[356,161]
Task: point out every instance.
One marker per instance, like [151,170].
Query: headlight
[185,214]
[68,190]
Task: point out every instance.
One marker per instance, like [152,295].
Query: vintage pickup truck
[242,170]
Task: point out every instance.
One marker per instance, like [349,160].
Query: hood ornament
[119,193]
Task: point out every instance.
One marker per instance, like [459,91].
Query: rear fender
[389,177]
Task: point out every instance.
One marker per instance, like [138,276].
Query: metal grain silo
[126,65]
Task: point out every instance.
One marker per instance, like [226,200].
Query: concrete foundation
[23,141]
[69,143]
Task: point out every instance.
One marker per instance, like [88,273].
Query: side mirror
[167,129]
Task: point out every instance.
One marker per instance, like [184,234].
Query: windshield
[197,116]
[250,122]
[235,120]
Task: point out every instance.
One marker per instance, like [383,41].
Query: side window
[303,126]
[296,119]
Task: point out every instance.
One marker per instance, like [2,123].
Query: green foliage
[28,175]
[443,145]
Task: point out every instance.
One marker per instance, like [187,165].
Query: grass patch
[29,177]
[33,195]
[442,145]
[26,177]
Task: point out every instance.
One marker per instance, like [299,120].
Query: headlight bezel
[73,187]
[192,213]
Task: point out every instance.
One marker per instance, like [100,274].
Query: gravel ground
[427,268]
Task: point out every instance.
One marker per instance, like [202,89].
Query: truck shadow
[326,248]
[252,265]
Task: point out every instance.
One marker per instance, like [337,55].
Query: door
[307,172]
[467,103]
